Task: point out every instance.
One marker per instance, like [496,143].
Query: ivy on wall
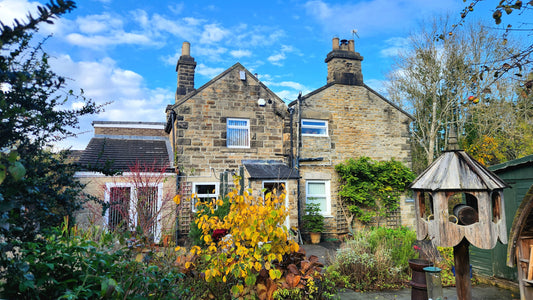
[372,189]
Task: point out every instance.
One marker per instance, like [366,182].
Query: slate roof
[125,152]
[456,170]
[269,169]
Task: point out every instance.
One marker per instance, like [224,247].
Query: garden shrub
[445,264]
[374,259]
[441,257]
[247,251]
[372,189]
[72,264]
[203,209]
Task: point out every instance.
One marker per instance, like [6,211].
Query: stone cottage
[140,191]
[234,124]
[231,124]
[345,119]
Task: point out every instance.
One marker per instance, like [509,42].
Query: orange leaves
[293,281]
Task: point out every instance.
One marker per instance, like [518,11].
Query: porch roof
[269,169]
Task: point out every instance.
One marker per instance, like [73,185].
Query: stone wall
[360,123]
[201,134]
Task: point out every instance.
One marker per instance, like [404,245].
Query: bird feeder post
[461,257]
[460,202]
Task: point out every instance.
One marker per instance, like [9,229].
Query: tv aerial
[354,34]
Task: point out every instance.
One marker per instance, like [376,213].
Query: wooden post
[530,264]
[463,282]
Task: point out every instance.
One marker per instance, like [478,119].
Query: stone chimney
[185,69]
[344,64]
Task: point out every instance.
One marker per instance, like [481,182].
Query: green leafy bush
[70,264]
[195,233]
[445,264]
[372,188]
[374,259]
[313,220]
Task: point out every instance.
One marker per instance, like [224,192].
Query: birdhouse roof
[456,170]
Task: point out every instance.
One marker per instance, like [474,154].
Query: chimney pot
[335,43]
[351,45]
[186,49]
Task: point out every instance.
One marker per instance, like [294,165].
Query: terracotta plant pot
[315,237]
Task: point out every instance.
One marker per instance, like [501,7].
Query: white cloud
[394,46]
[208,71]
[16,9]
[293,85]
[374,17]
[187,28]
[103,81]
[287,96]
[240,53]
[77,105]
[98,41]
[213,34]
[177,8]
[377,85]
[209,54]
[276,59]
[98,23]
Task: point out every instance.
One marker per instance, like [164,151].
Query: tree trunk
[432,130]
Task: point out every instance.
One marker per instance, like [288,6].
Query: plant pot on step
[315,237]
[313,221]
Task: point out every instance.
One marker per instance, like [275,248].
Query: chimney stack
[344,64]
[185,69]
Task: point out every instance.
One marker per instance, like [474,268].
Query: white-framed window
[131,205]
[269,186]
[314,127]
[237,133]
[317,191]
[280,187]
[204,191]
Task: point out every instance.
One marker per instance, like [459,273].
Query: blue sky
[126,51]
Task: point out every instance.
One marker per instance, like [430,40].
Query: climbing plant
[372,189]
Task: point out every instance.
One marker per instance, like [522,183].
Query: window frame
[287,221]
[327,195]
[132,212]
[236,127]
[325,127]
[198,196]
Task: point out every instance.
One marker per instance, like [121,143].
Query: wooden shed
[518,200]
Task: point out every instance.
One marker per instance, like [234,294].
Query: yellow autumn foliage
[257,238]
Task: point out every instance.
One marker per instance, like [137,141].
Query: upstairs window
[314,127]
[238,133]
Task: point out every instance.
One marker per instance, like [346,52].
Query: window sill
[241,150]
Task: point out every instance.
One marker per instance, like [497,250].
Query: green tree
[32,117]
